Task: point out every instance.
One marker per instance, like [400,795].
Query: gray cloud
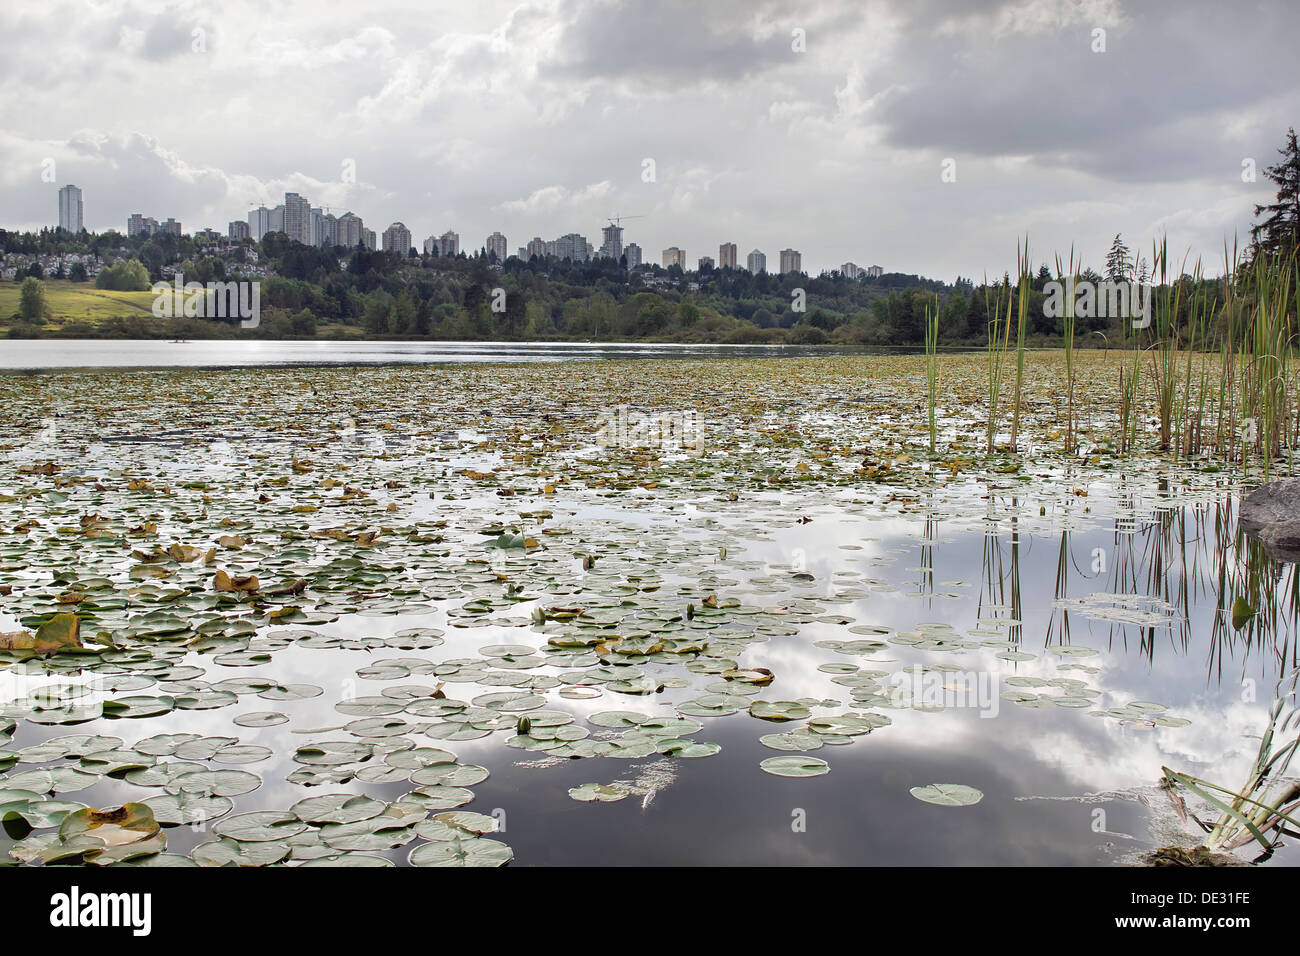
[536,118]
[672,43]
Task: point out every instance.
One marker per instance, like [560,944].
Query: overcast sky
[538,118]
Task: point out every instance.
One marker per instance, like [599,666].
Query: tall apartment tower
[297,219]
[791,261]
[349,229]
[727,255]
[611,241]
[633,253]
[324,228]
[70,209]
[397,238]
[756,262]
[449,243]
[259,222]
[496,246]
[570,246]
[674,257]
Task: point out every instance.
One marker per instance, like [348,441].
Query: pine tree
[1141,269]
[1280,230]
[1117,261]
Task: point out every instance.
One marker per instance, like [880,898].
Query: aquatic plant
[1016,302]
[1067,336]
[1264,808]
[932,362]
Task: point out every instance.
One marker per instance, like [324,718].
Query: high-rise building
[324,228]
[171,227]
[705,262]
[570,246]
[238,229]
[368,239]
[536,247]
[448,244]
[674,257]
[138,224]
[874,272]
[756,262]
[791,261]
[633,253]
[611,244]
[259,222]
[851,270]
[277,219]
[397,238]
[496,246]
[297,219]
[727,255]
[431,246]
[349,230]
[70,209]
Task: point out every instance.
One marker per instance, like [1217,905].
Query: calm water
[1025,581]
[116,353]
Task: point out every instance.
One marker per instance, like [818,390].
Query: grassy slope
[77,301]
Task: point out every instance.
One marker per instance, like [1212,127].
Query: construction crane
[616,220]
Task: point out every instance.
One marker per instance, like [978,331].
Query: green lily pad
[948,794]
[795,766]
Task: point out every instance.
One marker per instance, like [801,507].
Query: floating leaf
[948,794]
[799,766]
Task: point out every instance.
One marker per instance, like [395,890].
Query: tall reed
[1219,359]
[1070,280]
[932,362]
[1022,327]
[999,332]
[1266,805]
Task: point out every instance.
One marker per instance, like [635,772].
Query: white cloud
[534,117]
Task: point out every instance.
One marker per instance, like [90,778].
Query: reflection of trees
[926,584]
[1270,588]
[1001,574]
[1193,559]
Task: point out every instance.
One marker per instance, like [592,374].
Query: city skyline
[310,225]
[805,125]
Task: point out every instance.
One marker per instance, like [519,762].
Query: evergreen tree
[1280,229]
[1117,261]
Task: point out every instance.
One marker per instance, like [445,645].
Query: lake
[725,611]
[29,354]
